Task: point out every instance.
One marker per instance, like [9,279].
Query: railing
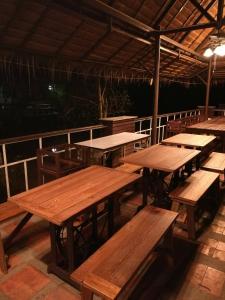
[20,162]
[20,152]
[144,125]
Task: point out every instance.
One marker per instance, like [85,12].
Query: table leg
[145,177]
[191,222]
[70,246]
[14,233]
[53,239]
[94,224]
[110,217]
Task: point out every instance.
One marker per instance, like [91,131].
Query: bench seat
[8,210]
[114,270]
[215,163]
[130,168]
[191,191]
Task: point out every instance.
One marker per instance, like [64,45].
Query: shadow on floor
[168,278]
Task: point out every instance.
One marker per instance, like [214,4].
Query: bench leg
[86,294]
[191,222]
[3,263]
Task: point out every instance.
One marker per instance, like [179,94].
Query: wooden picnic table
[63,200]
[196,141]
[160,159]
[215,126]
[105,145]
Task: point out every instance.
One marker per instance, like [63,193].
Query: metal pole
[156,91]
[208,89]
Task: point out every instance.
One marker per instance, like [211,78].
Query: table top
[68,196]
[215,125]
[162,158]
[188,139]
[111,141]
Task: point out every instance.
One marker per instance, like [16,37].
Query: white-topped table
[109,143]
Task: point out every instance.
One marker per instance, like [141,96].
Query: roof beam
[69,38]
[220,13]
[196,21]
[19,5]
[99,41]
[97,4]
[187,28]
[127,43]
[203,11]
[36,24]
[163,11]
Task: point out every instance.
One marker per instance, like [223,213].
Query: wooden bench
[190,192]
[130,168]
[215,163]
[116,268]
[8,210]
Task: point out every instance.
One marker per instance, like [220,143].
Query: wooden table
[163,159]
[63,199]
[105,145]
[195,141]
[215,126]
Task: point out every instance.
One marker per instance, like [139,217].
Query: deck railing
[18,155]
[144,125]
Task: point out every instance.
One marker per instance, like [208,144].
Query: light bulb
[220,50]
[208,52]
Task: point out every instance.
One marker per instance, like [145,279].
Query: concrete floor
[199,271]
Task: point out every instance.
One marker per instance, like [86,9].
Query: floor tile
[196,273]
[24,284]
[217,229]
[221,246]
[219,255]
[206,249]
[213,281]
[61,293]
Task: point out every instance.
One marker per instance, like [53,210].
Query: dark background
[28,106]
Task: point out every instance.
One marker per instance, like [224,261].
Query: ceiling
[113,39]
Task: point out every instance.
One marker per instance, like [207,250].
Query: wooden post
[156,91]
[208,89]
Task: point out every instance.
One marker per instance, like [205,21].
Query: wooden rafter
[95,46]
[163,11]
[203,11]
[220,13]
[177,13]
[97,4]
[36,24]
[68,39]
[19,5]
[196,21]
[186,29]
[128,42]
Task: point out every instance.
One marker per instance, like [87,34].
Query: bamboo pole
[208,89]
[156,91]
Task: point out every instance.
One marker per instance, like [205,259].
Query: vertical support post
[208,89]
[156,91]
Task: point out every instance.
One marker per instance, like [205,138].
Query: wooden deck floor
[199,272]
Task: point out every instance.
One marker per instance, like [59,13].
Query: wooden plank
[9,210]
[129,168]
[215,162]
[191,140]
[163,158]
[121,256]
[111,141]
[194,187]
[71,195]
